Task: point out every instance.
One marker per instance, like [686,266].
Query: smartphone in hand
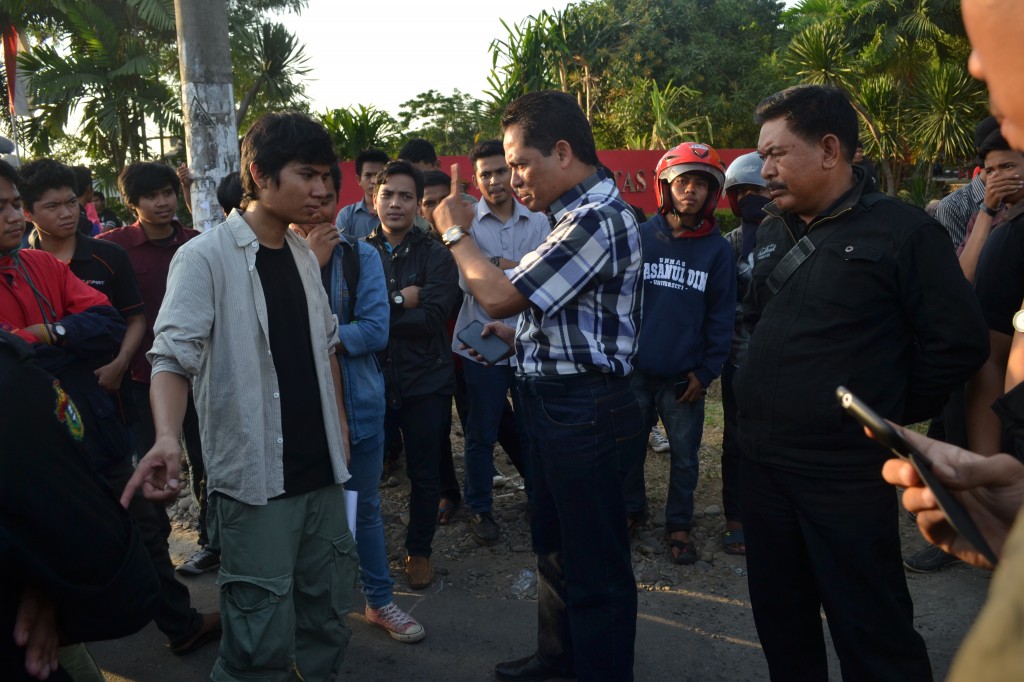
[490,347]
[883,432]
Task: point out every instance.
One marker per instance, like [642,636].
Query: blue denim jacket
[362,337]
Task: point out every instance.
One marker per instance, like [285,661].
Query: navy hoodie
[689,302]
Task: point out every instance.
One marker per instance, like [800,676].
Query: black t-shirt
[307,461]
[999,281]
[105,267]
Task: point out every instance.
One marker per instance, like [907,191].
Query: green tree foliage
[111,66]
[452,123]
[621,57]
[103,61]
[902,63]
[270,62]
[359,127]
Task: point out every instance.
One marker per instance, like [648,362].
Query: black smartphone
[681,387]
[490,347]
[887,436]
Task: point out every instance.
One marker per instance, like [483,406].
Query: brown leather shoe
[419,572]
[209,630]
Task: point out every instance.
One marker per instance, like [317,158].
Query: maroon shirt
[151,260]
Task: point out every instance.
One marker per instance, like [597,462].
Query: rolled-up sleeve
[183,325]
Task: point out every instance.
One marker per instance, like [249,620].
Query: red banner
[634,175]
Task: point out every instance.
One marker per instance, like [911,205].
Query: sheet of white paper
[351,497]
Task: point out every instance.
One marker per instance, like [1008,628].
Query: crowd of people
[294,350]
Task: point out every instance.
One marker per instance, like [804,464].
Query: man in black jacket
[70,557]
[419,380]
[872,299]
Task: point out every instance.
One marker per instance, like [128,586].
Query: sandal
[445,511]
[732,540]
[687,552]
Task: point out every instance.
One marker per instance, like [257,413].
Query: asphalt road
[683,635]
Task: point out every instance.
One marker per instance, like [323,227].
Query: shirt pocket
[851,275]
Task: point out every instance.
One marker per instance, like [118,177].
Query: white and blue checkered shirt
[585,286]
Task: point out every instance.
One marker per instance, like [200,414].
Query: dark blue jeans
[684,426]
[487,399]
[583,432]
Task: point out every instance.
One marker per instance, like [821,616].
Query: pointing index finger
[456,189]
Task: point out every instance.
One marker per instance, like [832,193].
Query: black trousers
[422,421]
[816,542]
[731,454]
[175,618]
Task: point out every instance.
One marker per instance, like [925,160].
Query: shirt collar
[597,185]
[137,235]
[83,249]
[518,211]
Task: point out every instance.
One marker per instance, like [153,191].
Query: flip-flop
[687,552]
[731,538]
[445,511]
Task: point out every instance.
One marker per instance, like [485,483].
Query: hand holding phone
[887,436]
[491,347]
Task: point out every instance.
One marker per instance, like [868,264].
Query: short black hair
[813,111]
[10,173]
[401,167]
[42,175]
[83,179]
[229,192]
[485,149]
[995,142]
[547,116]
[435,177]
[277,139]
[101,195]
[142,177]
[371,155]
[418,150]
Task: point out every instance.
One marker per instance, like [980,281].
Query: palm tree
[901,62]
[104,62]
[268,59]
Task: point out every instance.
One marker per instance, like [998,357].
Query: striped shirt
[956,209]
[584,284]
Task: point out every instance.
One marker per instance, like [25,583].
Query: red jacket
[54,294]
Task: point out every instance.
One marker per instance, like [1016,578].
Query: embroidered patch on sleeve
[67,414]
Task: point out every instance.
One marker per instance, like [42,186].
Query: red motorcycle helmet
[687,158]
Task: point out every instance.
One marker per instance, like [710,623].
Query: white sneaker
[498,479]
[658,442]
[399,624]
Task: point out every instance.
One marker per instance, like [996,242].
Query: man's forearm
[132,337]
[168,394]
[488,284]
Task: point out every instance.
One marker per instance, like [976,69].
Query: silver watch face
[59,329]
[1018,321]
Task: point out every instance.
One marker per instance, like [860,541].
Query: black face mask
[752,208]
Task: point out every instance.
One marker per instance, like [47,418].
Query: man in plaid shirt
[580,296]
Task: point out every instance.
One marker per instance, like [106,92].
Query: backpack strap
[796,256]
[350,270]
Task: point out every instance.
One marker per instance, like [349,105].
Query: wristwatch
[397,299]
[60,334]
[452,235]
[989,211]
